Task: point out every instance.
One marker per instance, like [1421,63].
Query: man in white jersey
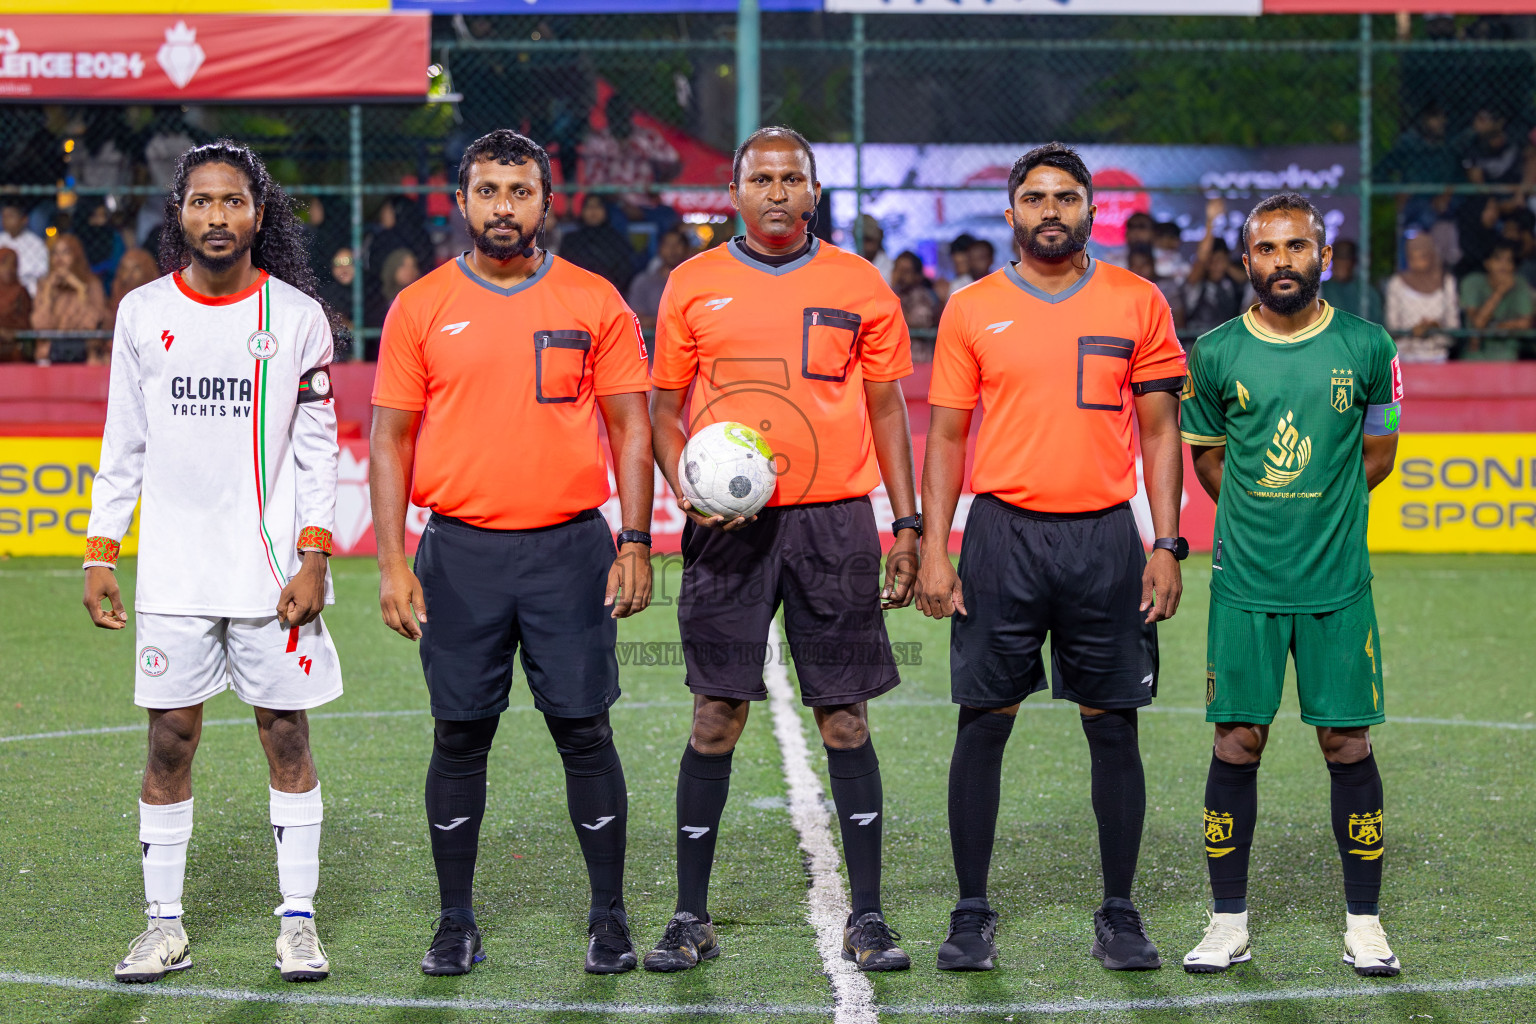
[220,416]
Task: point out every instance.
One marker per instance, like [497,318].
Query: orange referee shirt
[786,350]
[508,379]
[1055,375]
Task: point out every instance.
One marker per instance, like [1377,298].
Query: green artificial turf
[1460,823]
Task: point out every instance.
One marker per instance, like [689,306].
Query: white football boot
[300,957]
[1366,949]
[1225,943]
[159,949]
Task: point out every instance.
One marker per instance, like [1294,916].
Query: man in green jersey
[1291,411]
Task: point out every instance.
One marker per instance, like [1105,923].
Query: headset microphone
[528,253]
[807,215]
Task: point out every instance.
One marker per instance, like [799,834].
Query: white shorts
[184,660]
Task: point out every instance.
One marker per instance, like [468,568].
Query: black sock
[1231,810]
[975,787]
[598,801]
[455,805]
[1119,795]
[860,802]
[1356,801]
[703,783]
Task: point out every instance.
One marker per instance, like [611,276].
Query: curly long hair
[280,246]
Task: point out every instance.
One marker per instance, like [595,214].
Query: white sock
[296,821]
[164,831]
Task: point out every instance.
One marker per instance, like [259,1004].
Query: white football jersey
[204,419]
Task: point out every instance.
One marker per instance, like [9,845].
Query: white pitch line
[244,995]
[1372,989]
[828,908]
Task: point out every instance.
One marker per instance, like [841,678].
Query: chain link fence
[916,120]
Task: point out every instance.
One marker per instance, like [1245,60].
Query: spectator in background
[1517,229]
[15,307]
[872,247]
[626,154]
[1138,235]
[136,269]
[1491,155]
[336,284]
[597,246]
[1496,299]
[982,254]
[919,305]
[1342,289]
[102,241]
[1423,154]
[69,297]
[645,290]
[1213,291]
[398,269]
[1168,251]
[1143,264]
[400,224]
[960,260]
[549,237]
[329,229]
[31,251]
[1421,303]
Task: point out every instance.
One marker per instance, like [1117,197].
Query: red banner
[220,57]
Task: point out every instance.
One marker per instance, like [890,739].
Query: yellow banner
[1458,492]
[190,6]
[45,495]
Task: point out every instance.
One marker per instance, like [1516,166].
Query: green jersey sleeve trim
[1203,440]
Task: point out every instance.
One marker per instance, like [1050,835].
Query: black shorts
[1075,576]
[490,591]
[822,562]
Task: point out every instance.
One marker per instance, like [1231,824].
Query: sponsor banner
[219,57]
[45,496]
[185,6]
[1458,492]
[1247,7]
[45,503]
[1126,181]
[597,6]
[1396,6]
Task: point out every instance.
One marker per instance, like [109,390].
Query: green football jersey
[1292,412]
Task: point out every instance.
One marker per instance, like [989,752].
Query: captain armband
[1383,419]
[315,386]
[314,538]
[101,551]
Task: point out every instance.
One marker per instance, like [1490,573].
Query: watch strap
[908,523]
[634,537]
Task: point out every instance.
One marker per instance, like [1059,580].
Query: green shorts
[1338,665]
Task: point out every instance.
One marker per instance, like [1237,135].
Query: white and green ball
[726,469]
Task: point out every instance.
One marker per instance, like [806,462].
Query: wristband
[634,537]
[101,551]
[314,538]
[1176,546]
[913,522]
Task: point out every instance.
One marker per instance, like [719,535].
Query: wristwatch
[914,522]
[634,537]
[1178,546]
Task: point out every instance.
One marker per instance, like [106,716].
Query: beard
[498,250]
[1074,240]
[1308,284]
[220,264]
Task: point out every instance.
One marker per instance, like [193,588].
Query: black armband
[1166,384]
[315,386]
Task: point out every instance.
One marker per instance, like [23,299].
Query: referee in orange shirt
[492,371]
[806,343]
[1057,348]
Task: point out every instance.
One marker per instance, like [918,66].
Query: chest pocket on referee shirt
[828,343]
[1103,366]
[560,364]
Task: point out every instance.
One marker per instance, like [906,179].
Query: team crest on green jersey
[1342,389]
[1287,455]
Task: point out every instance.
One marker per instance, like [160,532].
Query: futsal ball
[726,469]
